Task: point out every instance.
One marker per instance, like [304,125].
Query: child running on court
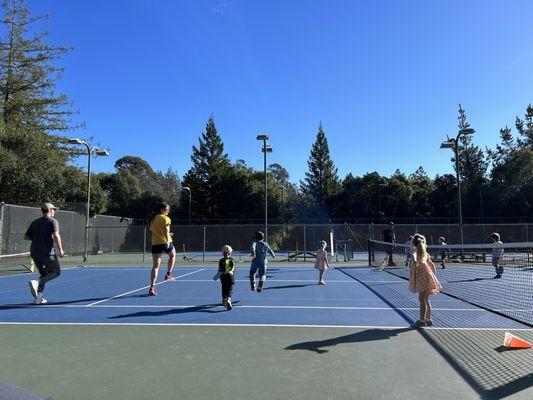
[497,254]
[442,242]
[260,252]
[226,273]
[159,224]
[321,262]
[408,254]
[422,280]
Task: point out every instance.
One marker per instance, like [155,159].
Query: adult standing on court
[159,224]
[43,232]
[260,252]
[389,237]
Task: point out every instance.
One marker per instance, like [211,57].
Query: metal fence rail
[112,234]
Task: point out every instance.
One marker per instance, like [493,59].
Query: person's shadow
[364,336]
[206,308]
[285,287]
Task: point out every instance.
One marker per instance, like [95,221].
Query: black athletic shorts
[162,248]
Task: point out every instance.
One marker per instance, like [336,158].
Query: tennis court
[101,336]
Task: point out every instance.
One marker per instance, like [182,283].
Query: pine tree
[206,176]
[28,75]
[321,181]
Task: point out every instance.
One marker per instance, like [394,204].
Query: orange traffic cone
[512,342]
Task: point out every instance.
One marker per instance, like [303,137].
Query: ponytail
[419,241]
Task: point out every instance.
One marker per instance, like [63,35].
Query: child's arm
[271,251]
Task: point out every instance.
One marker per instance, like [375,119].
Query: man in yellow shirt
[161,243]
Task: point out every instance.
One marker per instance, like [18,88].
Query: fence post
[1,226]
[305,242]
[144,241]
[203,254]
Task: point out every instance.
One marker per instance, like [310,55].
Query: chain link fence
[120,235]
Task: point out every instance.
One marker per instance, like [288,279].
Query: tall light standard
[91,151]
[265,149]
[188,189]
[454,144]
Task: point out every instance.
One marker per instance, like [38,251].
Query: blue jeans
[260,269]
[497,268]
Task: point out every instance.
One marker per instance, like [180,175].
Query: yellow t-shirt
[159,227]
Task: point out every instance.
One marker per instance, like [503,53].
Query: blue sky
[384,77]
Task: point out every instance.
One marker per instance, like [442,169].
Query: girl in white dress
[321,262]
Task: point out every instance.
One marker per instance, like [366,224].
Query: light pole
[454,144]
[188,189]
[91,151]
[265,149]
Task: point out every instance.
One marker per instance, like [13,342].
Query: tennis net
[468,272]
[16,263]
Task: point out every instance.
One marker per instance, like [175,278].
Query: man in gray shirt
[43,232]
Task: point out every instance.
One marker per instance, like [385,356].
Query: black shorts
[46,264]
[162,248]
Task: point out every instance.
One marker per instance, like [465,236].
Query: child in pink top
[321,262]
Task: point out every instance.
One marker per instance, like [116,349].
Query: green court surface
[254,362]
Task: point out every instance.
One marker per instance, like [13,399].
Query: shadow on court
[206,308]
[494,374]
[287,287]
[363,336]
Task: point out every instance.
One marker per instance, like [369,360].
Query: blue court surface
[352,297]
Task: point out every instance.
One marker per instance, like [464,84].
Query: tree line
[36,164]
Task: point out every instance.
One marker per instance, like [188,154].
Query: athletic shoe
[252,286]
[321,283]
[152,291]
[498,276]
[33,287]
[229,306]
[260,286]
[169,277]
[39,299]
[429,322]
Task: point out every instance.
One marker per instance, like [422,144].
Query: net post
[369,243]
[331,243]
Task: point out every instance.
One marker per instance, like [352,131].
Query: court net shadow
[494,374]
[319,346]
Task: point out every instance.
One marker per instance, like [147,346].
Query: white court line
[144,287]
[385,327]
[180,306]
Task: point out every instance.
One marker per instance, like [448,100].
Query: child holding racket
[260,252]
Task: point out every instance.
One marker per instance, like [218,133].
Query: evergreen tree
[321,182]
[28,75]
[33,167]
[206,177]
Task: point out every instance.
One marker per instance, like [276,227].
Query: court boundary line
[289,307]
[384,327]
[144,287]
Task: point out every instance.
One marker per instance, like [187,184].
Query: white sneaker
[33,287]
[39,299]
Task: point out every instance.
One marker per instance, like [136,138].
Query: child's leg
[495,262]
[428,307]
[422,302]
[320,275]
[262,273]
[253,270]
